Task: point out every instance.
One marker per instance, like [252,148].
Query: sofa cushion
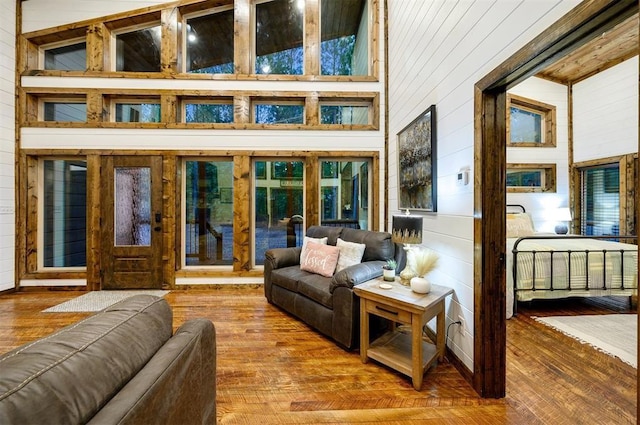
[379,245]
[317,288]
[305,242]
[288,277]
[320,259]
[68,376]
[350,254]
[331,233]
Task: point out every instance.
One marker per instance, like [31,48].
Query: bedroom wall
[7,143]
[438,50]
[539,204]
[606,113]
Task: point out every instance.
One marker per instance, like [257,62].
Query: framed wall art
[417,169]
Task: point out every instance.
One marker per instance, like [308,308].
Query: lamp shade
[562,214]
[407,229]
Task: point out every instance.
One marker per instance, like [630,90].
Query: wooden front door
[131,255]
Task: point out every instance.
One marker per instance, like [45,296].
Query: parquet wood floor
[273,369]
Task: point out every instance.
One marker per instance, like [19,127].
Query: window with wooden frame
[70,55]
[62,217]
[143,110]
[67,109]
[138,49]
[279,37]
[524,178]
[278,112]
[345,113]
[209,39]
[530,123]
[344,37]
[197,110]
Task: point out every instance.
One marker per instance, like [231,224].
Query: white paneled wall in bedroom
[606,113]
[438,50]
[538,204]
[7,143]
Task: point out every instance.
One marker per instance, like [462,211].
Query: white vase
[388,275]
[420,285]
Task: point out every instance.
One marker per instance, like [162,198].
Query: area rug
[99,300]
[614,334]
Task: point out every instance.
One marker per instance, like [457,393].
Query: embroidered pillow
[519,225]
[308,239]
[320,259]
[350,253]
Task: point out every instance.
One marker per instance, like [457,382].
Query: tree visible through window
[279,37]
[344,38]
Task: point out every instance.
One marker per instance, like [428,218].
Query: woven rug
[99,300]
[614,334]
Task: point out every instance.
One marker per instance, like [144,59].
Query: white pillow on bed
[519,225]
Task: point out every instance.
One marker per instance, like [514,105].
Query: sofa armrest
[282,257]
[357,274]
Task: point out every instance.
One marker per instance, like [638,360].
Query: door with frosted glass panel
[131,255]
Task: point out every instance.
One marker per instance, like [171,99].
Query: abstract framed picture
[417,168]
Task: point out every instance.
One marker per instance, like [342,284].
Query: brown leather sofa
[123,365]
[328,304]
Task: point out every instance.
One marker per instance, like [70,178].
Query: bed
[549,266]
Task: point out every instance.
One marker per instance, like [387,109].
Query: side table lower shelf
[394,349]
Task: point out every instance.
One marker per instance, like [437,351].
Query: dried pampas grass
[423,261]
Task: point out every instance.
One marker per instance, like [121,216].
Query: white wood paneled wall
[438,50]
[7,143]
[538,204]
[606,113]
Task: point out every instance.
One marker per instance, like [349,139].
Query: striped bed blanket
[580,267]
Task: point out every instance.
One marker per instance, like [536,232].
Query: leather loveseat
[328,304]
[123,365]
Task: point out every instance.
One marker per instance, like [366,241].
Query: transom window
[137,111]
[220,111]
[531,178]
[138,50]
[64,110]
[341,113]
[69,57]
[344,37]
[530,123]
[279,37]
[281,113]
[209,41]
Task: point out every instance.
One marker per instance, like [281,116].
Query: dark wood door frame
[586,21]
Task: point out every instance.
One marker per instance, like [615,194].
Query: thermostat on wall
[463,177]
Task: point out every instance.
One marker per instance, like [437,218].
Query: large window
[345,193]
[70,57]
[209,40]
[344,47]
[279,37]
[278,205]
[600,213]
[64,213]
[138,51]
[208,213]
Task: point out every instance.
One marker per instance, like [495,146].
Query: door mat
[99,300]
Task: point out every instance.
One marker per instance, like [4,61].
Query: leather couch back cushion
[69,375]
[379,245]
[331,233]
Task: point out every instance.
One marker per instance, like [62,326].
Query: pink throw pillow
[320,259]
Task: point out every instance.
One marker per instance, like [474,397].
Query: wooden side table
[404,352]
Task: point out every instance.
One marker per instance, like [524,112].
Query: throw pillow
[519,225]
[350,253]
[320,259]
[308,239]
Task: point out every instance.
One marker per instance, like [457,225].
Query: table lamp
[562,216]
[406,230]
